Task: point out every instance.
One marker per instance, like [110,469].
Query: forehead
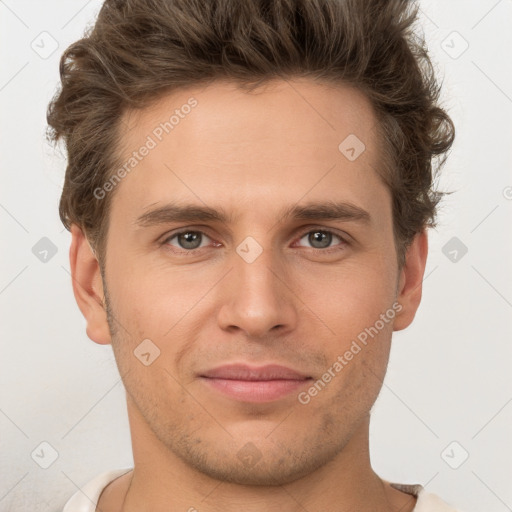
[293,110]
[221,144]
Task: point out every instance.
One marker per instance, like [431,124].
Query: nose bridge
[258,299]
[255,267]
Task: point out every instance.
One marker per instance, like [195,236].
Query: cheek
[351,296]
[154,299]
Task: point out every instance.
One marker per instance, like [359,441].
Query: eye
[187,240]
[322,238]
[191,240]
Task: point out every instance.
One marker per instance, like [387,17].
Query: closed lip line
[254,373]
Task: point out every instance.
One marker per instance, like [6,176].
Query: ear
[88,287]
[411,281]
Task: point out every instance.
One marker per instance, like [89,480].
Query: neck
[162,481]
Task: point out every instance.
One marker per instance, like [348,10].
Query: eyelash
[327,250]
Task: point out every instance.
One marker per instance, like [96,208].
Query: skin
[295,305]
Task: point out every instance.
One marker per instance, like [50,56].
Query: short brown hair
[139,50]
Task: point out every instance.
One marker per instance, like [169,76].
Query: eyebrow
[327,210]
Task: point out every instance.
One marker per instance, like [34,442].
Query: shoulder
[86,498]
[426,501]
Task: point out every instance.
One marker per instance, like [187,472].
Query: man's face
[258,288]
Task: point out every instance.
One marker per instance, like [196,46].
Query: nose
[258,298]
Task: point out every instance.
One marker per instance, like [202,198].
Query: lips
[254,373]
[254,384]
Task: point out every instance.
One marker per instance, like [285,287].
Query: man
[248,190]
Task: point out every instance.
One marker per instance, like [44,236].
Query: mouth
[256,384]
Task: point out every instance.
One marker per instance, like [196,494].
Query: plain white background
[444,416]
